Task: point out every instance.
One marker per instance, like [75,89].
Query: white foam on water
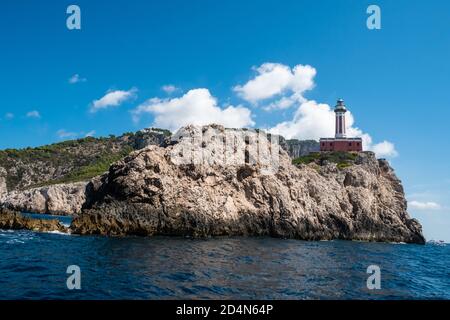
[14,241]
[58,232]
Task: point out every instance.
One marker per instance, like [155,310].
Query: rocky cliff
[3,188]
[59,199]
[158,190]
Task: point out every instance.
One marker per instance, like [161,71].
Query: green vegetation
[342,159]
[312,157]
[44,152]
[67,161]
[343,165]
[96,168]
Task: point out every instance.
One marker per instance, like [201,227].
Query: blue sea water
[33,266]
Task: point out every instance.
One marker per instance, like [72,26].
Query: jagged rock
[59,199]
[155,191]
[150,136]
[13,220]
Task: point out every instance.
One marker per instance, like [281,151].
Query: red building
[340,142]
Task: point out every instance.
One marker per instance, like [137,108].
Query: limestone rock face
[152,192]
[59,199]
[298,148]
[12,220]
[3,188]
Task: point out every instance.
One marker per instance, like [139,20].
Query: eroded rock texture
[58,199]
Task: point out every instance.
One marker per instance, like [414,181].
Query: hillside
[70,161]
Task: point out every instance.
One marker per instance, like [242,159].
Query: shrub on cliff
[342,159]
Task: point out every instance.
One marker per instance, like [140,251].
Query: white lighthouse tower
[340,111]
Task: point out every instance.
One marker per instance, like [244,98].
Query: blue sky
[394,80]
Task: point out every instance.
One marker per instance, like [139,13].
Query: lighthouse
[340,142]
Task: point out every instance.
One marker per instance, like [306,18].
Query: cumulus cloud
[273,80]
[76,78]
[314,120]
[385,149]
[169,88]
[424,205]
[113,99]
[197,107]
[33,114]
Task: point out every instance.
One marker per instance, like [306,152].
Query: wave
[16,236]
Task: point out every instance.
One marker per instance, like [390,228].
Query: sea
[37,266]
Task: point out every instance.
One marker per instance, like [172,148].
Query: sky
[277,65]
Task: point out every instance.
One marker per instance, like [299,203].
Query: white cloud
[314,120]
[169,88]
[385,149]
[9,116]
[284,102]
[63,134]
[197,107]
[424,205]
[113,99]
[76,79]
[90,133]
[273,80]
[33,114]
